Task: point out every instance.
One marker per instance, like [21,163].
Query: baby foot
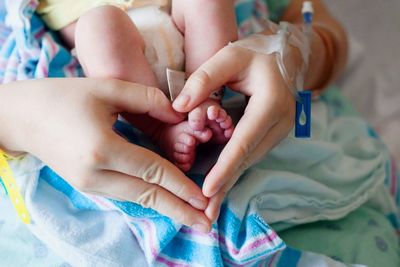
[210,114]
[179,143]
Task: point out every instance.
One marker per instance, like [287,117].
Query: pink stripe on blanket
[171,263]
[258,242]
[149,229]
[39,34]
[186,230]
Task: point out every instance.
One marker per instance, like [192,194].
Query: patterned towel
[93,231]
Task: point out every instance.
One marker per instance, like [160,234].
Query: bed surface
[372,78]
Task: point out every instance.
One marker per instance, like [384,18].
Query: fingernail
[198,203]
[181,101]
[201,228]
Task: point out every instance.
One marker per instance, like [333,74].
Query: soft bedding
[372,79]
[342,168]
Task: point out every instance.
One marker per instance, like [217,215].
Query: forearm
[328,45]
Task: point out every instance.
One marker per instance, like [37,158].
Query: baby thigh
[207,25]
[109,45]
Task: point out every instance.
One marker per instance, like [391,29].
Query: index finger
[124,187]
[258,119]
[137,99]
[276,133]
[220,69]
[140,162]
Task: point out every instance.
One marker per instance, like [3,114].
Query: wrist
[292,53]
[324,62]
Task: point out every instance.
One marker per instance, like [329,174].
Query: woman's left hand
[268,117]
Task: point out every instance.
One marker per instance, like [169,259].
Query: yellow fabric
[12,188]
[59,13]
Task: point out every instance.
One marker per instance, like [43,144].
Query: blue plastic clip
[308,17]
[303,115]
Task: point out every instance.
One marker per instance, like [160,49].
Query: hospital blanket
[343,167]
[365,236]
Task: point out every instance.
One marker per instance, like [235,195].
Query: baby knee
[106,21]
[102,15]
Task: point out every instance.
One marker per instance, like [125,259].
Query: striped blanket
[278,193]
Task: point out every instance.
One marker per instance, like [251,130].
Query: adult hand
[67,123]
[268,117]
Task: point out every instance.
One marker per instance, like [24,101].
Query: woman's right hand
[68,124]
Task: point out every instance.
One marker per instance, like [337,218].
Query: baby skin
[119,53]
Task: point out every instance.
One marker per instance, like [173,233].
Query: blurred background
[372,78]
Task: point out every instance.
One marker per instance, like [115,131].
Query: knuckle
[148,198]
[242,148]
[199,79]
[184,217]
[153,173]
[246,163]
[181,191]
[154,96]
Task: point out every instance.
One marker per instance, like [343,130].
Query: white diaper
[163,41]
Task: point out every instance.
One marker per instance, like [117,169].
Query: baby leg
[108,45]
[208,26]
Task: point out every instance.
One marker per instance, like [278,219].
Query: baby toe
[186,139]
[184,167]
[222,115]
[203,136]
[197,118]
[229,132]
[227,123]
[183,148]
[213,112]
[182,158]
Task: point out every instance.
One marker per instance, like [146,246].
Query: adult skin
[68,124]
[269,115]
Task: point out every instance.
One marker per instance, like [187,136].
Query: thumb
[219,70]
[138,99]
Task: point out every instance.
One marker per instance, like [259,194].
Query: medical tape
[12,188]
[284,34]
[176,81]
